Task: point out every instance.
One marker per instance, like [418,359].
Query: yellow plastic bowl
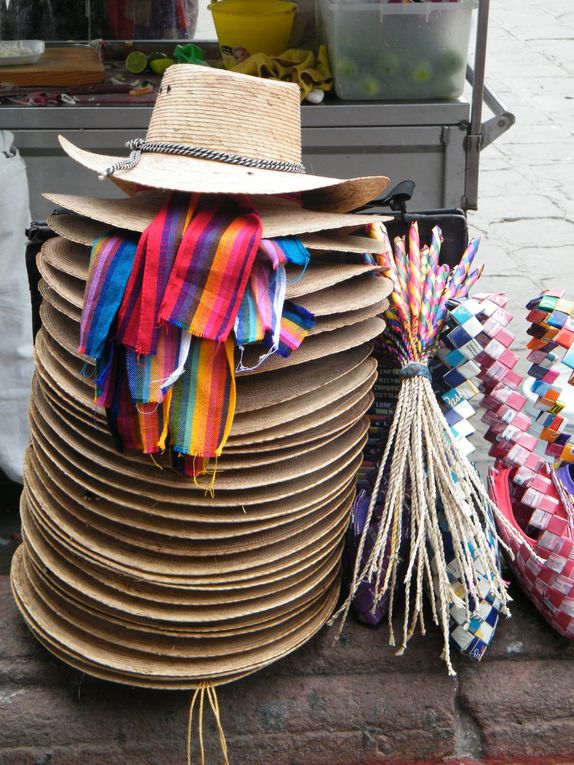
[245,27]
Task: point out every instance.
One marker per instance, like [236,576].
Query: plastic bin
[396,51]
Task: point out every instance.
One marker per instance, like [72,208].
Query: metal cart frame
[436,143]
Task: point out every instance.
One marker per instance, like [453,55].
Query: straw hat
[279,217]
[214,131]
[76,643]
[72,260]
[349,287]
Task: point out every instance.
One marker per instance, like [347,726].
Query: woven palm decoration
[421,456]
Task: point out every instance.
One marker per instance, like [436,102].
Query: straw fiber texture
[136,574]
[279,217]
[226,115]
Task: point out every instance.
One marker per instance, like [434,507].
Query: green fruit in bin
[370,86]
[388,63]
[451,62]
[421,72]
[346,67]
[444,87]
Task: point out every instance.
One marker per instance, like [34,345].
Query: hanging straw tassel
[421,456]
[198,699]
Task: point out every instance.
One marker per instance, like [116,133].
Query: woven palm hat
[326,289]
[279,217]
[73,640]
[214,131]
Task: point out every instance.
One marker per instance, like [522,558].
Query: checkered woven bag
[544,566]
[470,631]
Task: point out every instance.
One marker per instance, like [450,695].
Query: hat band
[139,146]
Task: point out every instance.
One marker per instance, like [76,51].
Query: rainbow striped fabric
[138,326]
[203,400]
[296,323]
[158,318]
[111,262]
[212,267]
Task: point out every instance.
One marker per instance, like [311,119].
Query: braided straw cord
[198,699]
[426,458]
[198,152]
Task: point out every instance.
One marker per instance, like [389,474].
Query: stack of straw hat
[130,571]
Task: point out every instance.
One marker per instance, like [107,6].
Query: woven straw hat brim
[66,333]
[75,379]
[67,257]
[66,294]
[183,538]
[190,600]
[94,216]
[232,459]
[108,462]
[67,493]
[290,411]
[317,346]
[52,553]
[82,230]
[204,511]
[123,593]
[133,490]
[120,588]
[79,644]
[76,615]
[58,255]
[166,569]
[100,447]
[342,241]
[217,630]
[328,413]
[170,172]
[62,389]
[146,636]
[61,304]
[55,414]
[227,462]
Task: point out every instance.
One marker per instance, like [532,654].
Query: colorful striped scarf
[296,322]
[203,400]
[295,253]
[212,267]
[261,314]
[148,374]
[138,326]
[111,262]
[153,377]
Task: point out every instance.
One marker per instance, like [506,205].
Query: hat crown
[226,111]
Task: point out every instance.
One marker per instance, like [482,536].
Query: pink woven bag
[544,566]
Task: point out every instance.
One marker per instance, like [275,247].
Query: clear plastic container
[396,51]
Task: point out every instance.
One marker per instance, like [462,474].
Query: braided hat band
[139,146]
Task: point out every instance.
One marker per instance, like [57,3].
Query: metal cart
[436,143]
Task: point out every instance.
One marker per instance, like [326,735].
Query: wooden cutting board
[58,66]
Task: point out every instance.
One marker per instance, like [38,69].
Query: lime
[451,62]
[346,67]
[154,56]
[159,65]
[371,86]
[136,62]
[388,63]
[421,72]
